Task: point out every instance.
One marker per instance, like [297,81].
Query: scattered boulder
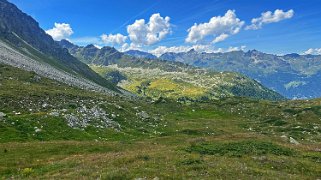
[119,107]
[143,115]
[55,114]
[37,130]
[2,115]
[44,105]
[72,121]
[293,141]
[95,116]
[36,78]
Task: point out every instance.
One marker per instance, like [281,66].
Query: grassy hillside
[38,108]
[227,138]
[197,141]
[184,123]
[184,85]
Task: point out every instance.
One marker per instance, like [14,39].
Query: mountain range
[25,45]
[294,76]
[74,112]
[166,78]
[140,54]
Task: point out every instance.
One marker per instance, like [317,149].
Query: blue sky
[294,28]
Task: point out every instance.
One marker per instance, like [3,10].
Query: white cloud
[86,40]
[221,27]
[131,46]
[199,48]
[141,33]
[316,51]
[220,38]
[124,47]
[230,49]
[113,39]
[60,31]
[163,49]
[270,17]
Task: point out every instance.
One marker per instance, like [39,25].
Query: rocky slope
[24,44]
[34,106]
[12,57]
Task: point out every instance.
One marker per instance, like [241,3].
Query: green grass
[187,85]
[231,138]
[240,148]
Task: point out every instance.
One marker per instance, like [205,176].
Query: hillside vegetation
[229,138]
[292,75]
[127,139]
[61,119]
[186,85]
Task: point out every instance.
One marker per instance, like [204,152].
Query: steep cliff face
[23,33]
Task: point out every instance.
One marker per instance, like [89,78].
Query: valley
[87,112]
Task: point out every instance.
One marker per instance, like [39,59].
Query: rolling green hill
[186,85]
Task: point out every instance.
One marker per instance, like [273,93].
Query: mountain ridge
[140,54]
[21,32]
[157,74]
[263,67]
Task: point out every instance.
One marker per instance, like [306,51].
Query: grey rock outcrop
[2,115]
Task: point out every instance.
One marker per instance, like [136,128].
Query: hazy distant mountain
[292,75]
[140,54]
[143,70]
[90,54]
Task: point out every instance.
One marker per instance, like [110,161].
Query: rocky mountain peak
[192,51]
[67,44]
[91,46]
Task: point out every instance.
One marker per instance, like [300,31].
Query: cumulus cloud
[163,49]
[220,38]
[199,48]
[231,48]
[270,17]
[316,51]
[141,33]
[113,39]
[220,27]
[131,46]
[60,31]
